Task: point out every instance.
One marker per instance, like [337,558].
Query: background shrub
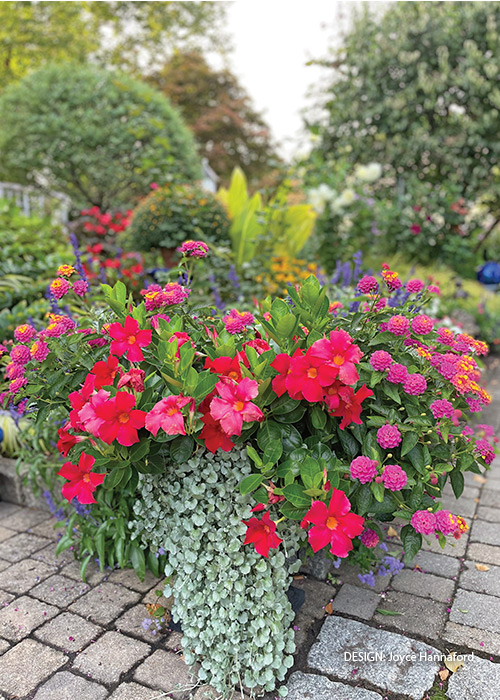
[98,136]
[176,213]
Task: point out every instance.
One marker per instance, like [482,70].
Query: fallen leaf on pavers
[388,612]
[476,500]
[452,663]
[463,611]
[298,577]
[444,674]
[391,532]
[480,479]
[329,609]
[482,567]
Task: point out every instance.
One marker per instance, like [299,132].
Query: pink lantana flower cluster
[61,285]
[157,297]
[194,249]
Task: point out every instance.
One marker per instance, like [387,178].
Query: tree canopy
[229,130]
[133,36]
[99,136]
[418,90]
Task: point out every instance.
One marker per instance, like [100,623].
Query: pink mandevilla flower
[233,405]
[167,414]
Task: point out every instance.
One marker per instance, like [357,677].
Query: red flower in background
[262,533]
[128,339]
[81,481]
[105,372]
[334,525]
[214,435]
[134,378]
[281,364]
[258,345]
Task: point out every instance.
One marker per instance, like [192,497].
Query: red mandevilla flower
[340,354]
[113,418]
[78,399]
[134,378]
[307,376]
[214,435]
[281,364]
[335,526]
[105,372]
[225,366]
[128,339]
[66,440]
[81,482]
[262,533]
[345,403]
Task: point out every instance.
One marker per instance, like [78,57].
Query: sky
[273,40]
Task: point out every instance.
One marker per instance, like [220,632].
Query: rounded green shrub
[100,137]
[175,213]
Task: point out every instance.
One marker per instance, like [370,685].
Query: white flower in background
[456,109]
[478,211]
[320,196]
[346,198]
[438,219]
[314,138]
[368,173]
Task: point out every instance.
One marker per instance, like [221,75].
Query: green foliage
[246,226]
[32,248]
[175,213]
[258,227]
[33,34]
[217,108]
[426,222]
[10,430]
[100,137]
[417,90]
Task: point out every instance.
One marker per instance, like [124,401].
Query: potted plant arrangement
[245,439]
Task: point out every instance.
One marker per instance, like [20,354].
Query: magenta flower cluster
[393,477]
[381,360]
[364,469]
[388,436]
[415,384]
[441,408]
[397,373]
[367,284]
[399,325]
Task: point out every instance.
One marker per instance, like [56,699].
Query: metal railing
[32,200]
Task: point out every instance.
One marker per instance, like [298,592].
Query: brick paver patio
[62,639]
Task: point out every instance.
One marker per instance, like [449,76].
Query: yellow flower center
[239,405]
[331,523]
[338,360]
[131,339]
[312,372]
[124,418]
